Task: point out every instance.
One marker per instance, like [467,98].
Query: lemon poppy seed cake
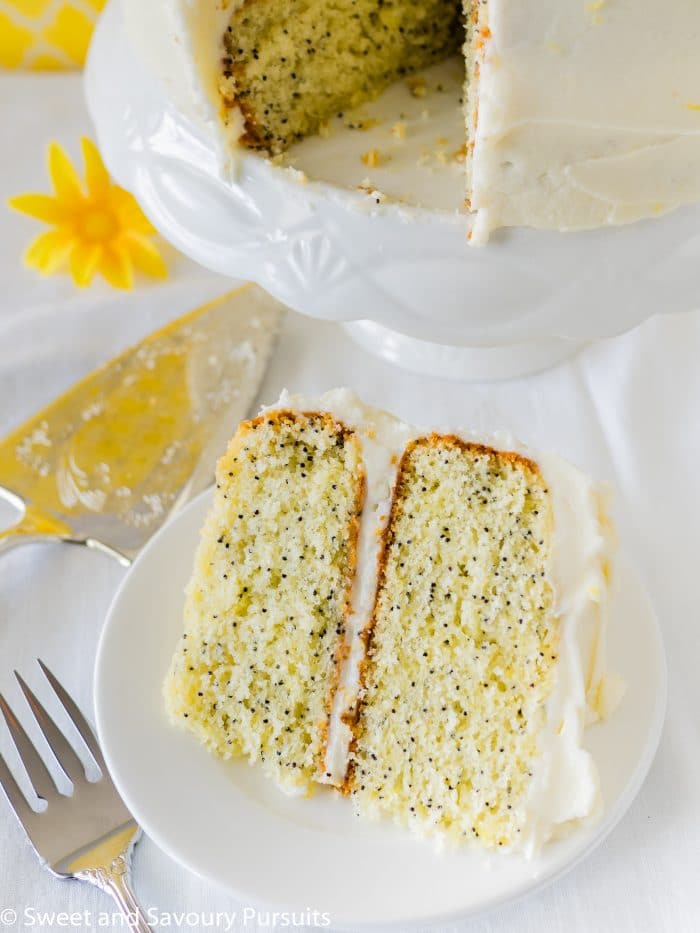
[266,607]
[565,124]
[415,619]
[463,643]
[288,78]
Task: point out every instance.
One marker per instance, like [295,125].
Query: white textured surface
[625,410]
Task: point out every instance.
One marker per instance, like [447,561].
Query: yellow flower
[98,227]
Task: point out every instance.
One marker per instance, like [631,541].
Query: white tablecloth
[627,410]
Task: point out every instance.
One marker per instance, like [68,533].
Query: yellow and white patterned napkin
[46,34]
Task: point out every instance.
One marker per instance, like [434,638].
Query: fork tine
[63,751]
[76,717]
[15,797]
[37,772]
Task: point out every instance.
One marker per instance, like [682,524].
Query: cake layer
[463,645]
[290,69]
[265,614]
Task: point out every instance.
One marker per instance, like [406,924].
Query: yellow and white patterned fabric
[46,34]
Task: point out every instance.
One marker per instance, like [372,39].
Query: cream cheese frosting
[182,42]
[565,789]
[588,113]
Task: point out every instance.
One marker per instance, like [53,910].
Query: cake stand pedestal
[464,364]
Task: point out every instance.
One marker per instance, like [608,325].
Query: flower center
[98,224]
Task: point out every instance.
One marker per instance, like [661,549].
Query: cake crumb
[398,130]
[417,86]
[369,189]
[372,158]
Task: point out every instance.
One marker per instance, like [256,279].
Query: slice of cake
[567,125]
[463,642]
[255,673]
[437,659]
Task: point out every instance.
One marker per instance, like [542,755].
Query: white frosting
[382,439]
[589,113]
[565,788]
[182,41]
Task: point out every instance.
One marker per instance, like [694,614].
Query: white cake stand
[400,276]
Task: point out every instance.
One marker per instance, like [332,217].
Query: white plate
[403,277]
[227,823]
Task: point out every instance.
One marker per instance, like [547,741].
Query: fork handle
[114,879]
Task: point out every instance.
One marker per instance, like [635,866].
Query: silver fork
[88,835]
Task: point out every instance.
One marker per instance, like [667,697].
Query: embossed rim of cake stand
[416,292]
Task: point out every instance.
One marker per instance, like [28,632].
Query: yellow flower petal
[64,177]
[40,206]
[84,259]
[48,252]
[130,214]
[96,176]
[115,266]
[98,227]
[145,255]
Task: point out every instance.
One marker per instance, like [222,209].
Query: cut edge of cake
[288,79]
